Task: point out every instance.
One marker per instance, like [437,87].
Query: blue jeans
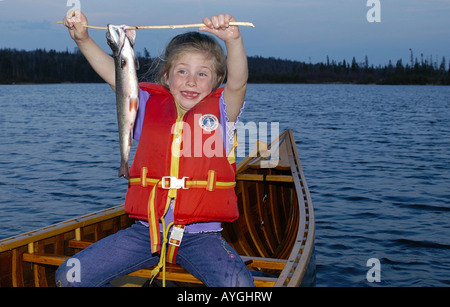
[207,256]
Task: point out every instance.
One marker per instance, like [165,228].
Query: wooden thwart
[269,178]
[174,272]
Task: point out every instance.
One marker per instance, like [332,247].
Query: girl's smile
[191,79]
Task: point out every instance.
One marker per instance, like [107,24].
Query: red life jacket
[179,158]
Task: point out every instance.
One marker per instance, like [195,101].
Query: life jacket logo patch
[208,122]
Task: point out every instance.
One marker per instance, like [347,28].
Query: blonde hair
[193,42]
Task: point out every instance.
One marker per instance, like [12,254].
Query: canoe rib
[279,249]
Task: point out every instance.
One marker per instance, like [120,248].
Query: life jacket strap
[155,238]
[170,182]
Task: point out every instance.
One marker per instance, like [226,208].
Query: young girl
[181,184]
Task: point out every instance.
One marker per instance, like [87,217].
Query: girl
[182,177]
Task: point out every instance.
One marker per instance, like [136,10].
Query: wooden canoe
[274,234]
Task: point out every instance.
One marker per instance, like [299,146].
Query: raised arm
[235,89]
[101,62]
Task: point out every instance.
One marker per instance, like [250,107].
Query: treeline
[41,66]
[271,70]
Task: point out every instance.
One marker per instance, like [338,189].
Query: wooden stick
[195,25]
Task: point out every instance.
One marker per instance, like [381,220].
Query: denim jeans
[207,256]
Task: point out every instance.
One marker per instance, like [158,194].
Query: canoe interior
[276,213]
[276,224]
[269,216]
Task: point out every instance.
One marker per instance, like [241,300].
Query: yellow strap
[211,183]
[162,260]
[232,154]
[176,152]
[144,181]
[189,183]
[171,253]
[143,178]
[153,222]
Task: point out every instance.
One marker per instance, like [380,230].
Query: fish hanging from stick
[121,42]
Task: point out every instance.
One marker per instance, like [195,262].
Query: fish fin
[130,138]
[123,170]
[134,103]
[131,34]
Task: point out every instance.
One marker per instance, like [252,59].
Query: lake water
[376,158]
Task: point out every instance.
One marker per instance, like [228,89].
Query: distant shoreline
[53,67]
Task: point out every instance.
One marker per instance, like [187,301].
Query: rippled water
[377,160]
[58,154]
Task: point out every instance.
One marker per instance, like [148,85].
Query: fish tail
[124,171]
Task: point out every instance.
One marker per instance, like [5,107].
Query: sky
[301,30]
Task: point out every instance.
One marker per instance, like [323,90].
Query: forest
[42,66]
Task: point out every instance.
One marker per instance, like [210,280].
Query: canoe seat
[174,272]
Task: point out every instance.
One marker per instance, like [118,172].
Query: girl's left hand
[220,26]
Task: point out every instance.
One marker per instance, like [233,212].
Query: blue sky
[304,30]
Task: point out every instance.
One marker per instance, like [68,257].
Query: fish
[121,42]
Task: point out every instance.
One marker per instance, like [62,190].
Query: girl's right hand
[74,21]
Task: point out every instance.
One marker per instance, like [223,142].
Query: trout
[127,100]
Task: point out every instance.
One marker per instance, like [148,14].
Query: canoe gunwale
[297,264]
[60,228]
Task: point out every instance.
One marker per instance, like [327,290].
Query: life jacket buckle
[174,182]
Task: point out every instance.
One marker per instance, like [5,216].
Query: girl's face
[191,79]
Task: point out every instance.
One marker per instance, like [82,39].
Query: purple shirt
[228,140]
